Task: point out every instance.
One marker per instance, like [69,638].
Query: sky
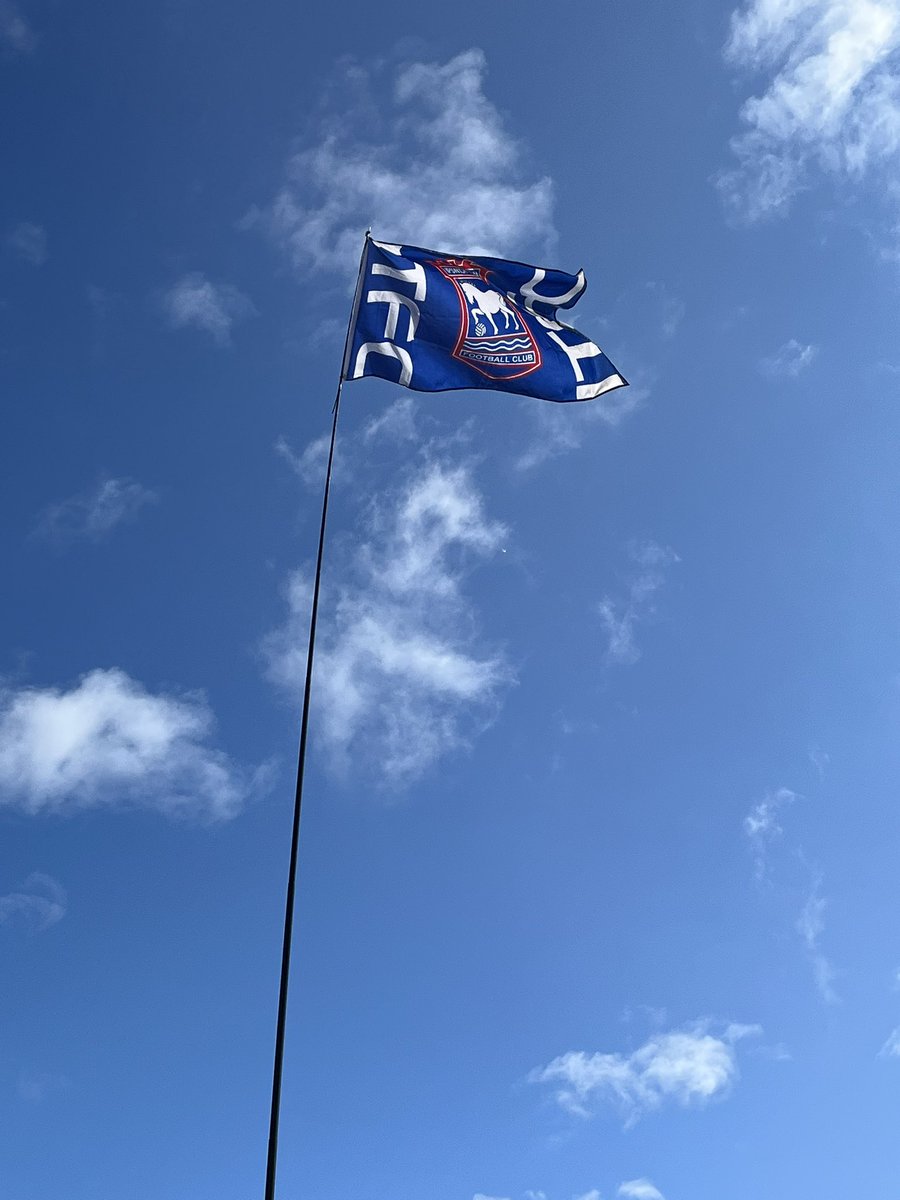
[600,845]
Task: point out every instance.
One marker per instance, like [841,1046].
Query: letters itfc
[435,322]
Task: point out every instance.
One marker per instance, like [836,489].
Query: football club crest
[494,337]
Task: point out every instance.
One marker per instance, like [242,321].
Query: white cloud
[311,463]
[560,428]
[95,513]
[891,1048]
[640,1189]
[429,161]
[686,1067]
[673,315]
[831,100]
[38,904]
[621,616]
[482,1196]
[820,759]
[213,307]
[15,32]
[811,926]
[397,423]
[28,241]
[790,360]
[761,825]
[35,1087]
[670,309]
[593,1194]
[398,679]
[108,742]
[763,829]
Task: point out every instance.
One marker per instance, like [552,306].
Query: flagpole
[272,1157]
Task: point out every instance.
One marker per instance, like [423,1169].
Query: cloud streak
[106,743]
[399,678]
[95,513]
[16,35]
[639,1189]
[426,156]
[686,1067]
[561,428]
[310,464]
[761,826]
[195,301]
[621,616]
[39,903]
[27,240]
[790,360]
[811,926]
[831,101]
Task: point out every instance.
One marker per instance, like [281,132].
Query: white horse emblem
[488,304]
[498,351]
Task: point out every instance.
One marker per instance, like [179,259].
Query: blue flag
[436,322]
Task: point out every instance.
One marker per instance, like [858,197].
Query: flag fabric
[436,322]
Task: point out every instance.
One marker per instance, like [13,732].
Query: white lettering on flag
[532,297]
[416,275]
[394,300]
[575,353]
[390,351]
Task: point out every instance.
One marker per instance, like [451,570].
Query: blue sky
[600,841]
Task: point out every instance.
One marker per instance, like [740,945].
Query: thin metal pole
[272,1159]
[295,840]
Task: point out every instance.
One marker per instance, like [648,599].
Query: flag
[436,322]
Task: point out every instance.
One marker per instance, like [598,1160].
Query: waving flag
[435,322]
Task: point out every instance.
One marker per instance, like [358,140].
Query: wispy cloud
[891,1048]
[27,240]
[397,423]
[37,1086]
[762,828]
[399,679]
[820,759]
[16,35]
[309,465]
[425,156]
[790,360]
[593,1194]
[686,1067]
[95,513]
[831,101]
[108,742]
[620,616]
[639,1189]
[215,308]
[39,903]
[811,926]
[670,309]
[561,428]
